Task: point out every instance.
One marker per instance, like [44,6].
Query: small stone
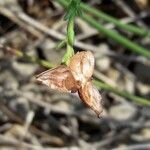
[17,132]
[146,133]
[103,64]
[143,88]
[102,61]
[24,69]
[142,71]
[8,80]
[143,4]
[129,83]
[20,105]
[142,136]
[48,49]
[123,111]
[63,104]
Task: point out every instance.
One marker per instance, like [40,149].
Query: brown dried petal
[91,97]
[59,78]
[82,66]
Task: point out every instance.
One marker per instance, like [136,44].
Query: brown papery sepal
[91,97]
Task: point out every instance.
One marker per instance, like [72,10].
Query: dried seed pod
[59,78]
[91,97]
[82,66]
[76,77]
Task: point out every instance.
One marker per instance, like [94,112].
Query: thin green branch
[41,62]
[98,13]
[70,41]
[113,34]
[131,28]
[117,37]
[99,84]
[124,94]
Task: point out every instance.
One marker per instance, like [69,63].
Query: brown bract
[76,77]
[59,78]
[91,97]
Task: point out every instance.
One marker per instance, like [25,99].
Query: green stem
[43,63]
[70,36]
[70,31]
[124,94]
[70,41]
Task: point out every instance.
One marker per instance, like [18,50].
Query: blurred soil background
[32,116]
